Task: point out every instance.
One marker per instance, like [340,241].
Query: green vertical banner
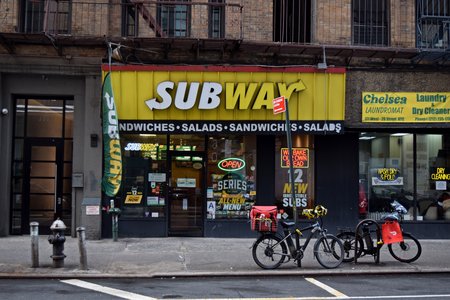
[112,172]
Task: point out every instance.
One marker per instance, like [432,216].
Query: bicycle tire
[329,251]
[407,251]
[348,239]
[269,252]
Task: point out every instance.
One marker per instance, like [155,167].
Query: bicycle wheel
[407,251]
[349,242]
[269,251]
[329,251]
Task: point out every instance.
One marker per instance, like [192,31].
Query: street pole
[34,233]
[82,247]
[291,161]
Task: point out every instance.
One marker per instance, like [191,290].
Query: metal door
[43,183]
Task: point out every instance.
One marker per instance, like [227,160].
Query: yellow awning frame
[314,94]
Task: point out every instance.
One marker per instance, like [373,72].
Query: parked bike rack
[363,232]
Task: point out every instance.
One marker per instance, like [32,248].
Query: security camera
[4,111]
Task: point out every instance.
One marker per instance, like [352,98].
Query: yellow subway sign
[411,107]
[219,93]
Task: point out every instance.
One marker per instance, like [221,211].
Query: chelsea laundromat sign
[406,107]
[215,99]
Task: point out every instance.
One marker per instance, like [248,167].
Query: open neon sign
[231,164]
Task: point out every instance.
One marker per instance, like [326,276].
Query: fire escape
[162,27]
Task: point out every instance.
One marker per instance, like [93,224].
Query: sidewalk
[176,257]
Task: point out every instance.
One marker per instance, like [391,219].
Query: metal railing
[321,22]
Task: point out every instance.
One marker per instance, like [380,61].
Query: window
[129,19]
[143,188]
[216,19]
[370,22]
[433,22]
[231,177]
[413,169]
[175,19]
[303,161]
[52,16]
[292,21]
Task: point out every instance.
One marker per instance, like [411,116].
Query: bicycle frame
[270,250]
[294,250]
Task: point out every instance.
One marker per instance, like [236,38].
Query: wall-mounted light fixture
[4,111]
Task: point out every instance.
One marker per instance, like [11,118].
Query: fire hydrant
[57,239]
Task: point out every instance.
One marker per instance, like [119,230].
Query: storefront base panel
[229,228]
[428,230]
[142,228]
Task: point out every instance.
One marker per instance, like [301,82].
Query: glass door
[43,183]
[186,186]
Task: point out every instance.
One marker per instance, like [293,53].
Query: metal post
[34,233]
[115,225]
[81,232]
[291,161]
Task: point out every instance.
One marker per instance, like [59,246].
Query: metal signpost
[280,105]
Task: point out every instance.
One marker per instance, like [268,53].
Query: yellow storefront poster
[411,107]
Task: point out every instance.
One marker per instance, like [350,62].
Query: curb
[272,273]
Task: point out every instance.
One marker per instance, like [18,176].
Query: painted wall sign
[405,107]
[231,164]
[300,157]
[215,127]
[217,93]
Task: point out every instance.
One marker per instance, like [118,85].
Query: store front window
[303,163]
[413,169]
[231,187]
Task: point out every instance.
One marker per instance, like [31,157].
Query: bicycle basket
[264,218]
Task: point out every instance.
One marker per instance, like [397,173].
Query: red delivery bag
[264,218]
[391,232]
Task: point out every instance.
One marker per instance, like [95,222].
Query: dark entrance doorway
[186,193]
[42,162]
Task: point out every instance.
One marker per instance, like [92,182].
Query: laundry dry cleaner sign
[416,107]
[227,99]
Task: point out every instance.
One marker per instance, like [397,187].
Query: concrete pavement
[176,257]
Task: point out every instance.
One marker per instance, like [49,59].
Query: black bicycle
[271,250]
[368,240]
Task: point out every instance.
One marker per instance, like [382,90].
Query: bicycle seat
[287,224]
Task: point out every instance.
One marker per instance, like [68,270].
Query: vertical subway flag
[112,173]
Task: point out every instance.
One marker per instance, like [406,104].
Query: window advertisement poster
[386,176]
[411,107]
[440,178]
[302,158]
[134,196]
[232,189]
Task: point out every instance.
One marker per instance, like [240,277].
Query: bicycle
[408,250]
[271,250]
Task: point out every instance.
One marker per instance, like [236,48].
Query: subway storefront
[201,145]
